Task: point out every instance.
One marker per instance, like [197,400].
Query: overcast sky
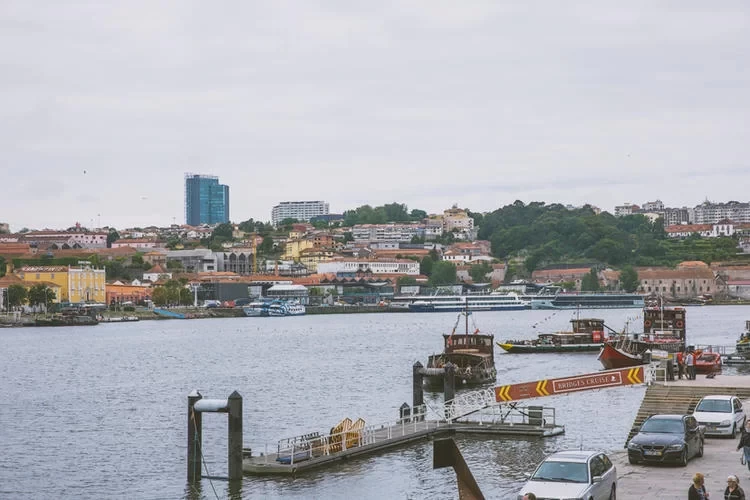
[106,105]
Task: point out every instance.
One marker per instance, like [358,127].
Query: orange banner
[564,385]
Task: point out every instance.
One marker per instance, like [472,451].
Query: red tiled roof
[11,279]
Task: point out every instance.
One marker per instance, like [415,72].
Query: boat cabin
[587,325]
[468,342]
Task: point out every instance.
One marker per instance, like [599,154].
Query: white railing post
[291,460]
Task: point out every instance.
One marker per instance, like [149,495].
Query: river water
[100,412]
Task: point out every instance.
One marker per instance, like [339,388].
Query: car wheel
[613,493]
[632,460]
[683,458]
[700,449]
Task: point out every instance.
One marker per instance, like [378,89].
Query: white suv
[720,415]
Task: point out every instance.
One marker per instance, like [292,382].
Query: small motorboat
[707,362]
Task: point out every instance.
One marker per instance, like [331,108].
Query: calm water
[100,412]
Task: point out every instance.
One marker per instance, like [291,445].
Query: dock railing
[316,444]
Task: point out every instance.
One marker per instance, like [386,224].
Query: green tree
[224,230]
[426,265]
[159,296]
[186,296]
[479,272]
[406,281]
[174,265]
[443,273]
[40,294]
[137,260]
[266,247]
[629,279]
[112,236]
[417,214]
[17,295]
[590,282]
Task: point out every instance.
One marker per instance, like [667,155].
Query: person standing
[744,443]
[733,491]
[690,364]
[680,365]
[697,490]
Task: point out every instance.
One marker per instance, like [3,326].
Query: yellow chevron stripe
[544,388]
[503,393]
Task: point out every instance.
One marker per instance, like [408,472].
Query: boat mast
[466,313]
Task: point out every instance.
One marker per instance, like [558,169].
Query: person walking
[733,491]
[697,490]
[690,364]
[744,443]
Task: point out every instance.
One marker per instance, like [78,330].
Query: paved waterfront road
[720,459]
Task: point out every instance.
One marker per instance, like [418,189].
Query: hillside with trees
[545,235]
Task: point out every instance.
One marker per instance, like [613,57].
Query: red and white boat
[663,332]
[707,362]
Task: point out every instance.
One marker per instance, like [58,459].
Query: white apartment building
[711,213]
[365,233]
[300,210]
[381,266]
[653,206]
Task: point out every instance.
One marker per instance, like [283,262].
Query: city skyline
[429,105]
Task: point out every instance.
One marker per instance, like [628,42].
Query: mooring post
[194,443]
[417,389]
[449,382]
[234,443]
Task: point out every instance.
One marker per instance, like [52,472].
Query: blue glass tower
[206,201]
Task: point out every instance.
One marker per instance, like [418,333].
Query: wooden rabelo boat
[587,335]
[471,353]
[663,332]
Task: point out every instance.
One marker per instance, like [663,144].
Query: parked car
[573,474]
[720,415]
[667,438]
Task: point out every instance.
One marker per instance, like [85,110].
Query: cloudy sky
[106,105]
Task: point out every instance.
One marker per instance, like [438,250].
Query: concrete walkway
[720,459]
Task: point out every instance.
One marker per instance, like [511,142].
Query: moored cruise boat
[274,308]
[587,300]
[458,303]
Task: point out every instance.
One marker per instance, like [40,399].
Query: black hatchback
[667,438]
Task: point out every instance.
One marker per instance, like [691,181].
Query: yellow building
[293,248]
[76,284]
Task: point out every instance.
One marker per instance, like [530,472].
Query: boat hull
[536,349]
[433,308]
[612,357]
[436,382]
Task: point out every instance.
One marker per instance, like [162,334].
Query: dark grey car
[667,438]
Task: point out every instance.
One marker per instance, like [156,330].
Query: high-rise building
[206,201]
[300,210]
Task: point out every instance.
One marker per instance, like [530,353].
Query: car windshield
[564,472]
[662,426]
[715,406]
